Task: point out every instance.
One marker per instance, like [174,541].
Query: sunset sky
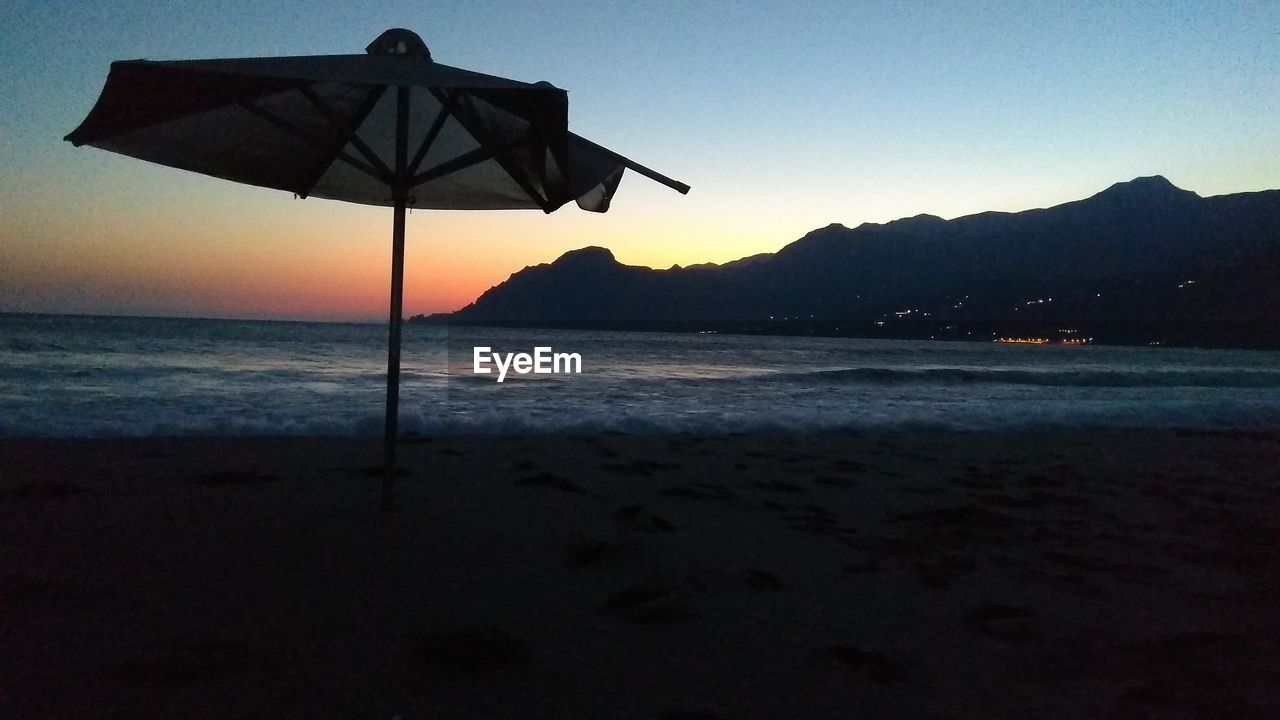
[783,117]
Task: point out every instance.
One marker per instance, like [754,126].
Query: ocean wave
[1056,377]
[23,345]
[432,420]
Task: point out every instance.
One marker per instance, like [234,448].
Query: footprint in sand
[764,580]
[1005,622]
[639,467]
[469,651]
[834,481]
[875,665]
[851,466]
[698,491]
[865,566]
[647,604]
[968,518]
[660,523]
[940,571]
[779,486]
[638,518]
[977,481]
[587,553]
[549,480]
[919,490]
[628,513]
[812,518]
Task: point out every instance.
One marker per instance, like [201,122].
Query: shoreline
[1247,336]
[1047,573]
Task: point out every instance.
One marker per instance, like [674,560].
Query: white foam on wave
[447,421]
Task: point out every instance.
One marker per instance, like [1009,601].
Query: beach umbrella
[388,127]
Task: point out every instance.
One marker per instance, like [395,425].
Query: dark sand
[1114,574]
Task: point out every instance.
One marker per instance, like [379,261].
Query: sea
[78,376]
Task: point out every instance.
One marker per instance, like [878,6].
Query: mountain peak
[923,221]
[1147,187]
[590,255]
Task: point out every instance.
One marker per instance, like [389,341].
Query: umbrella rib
[632,164]
[462,162]
[342,127]
[513,170]
[437,125]
[335,149]
[300,134]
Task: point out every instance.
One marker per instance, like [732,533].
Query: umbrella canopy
[328,126]
[389,127]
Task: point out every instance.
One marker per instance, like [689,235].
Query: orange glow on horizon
[134,238]
[270,256]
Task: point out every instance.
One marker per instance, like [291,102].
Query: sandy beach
[1070,574]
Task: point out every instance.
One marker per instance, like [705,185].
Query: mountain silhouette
[1117,264]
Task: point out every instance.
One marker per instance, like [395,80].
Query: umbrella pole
[397,296]
[393,355]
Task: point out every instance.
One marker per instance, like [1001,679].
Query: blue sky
[782,116]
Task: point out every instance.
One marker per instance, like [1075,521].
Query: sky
[783,117]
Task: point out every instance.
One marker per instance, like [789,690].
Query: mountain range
[1140,262]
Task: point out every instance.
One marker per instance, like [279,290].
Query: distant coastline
[1243,336]
[1140,263]
[1240,336]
